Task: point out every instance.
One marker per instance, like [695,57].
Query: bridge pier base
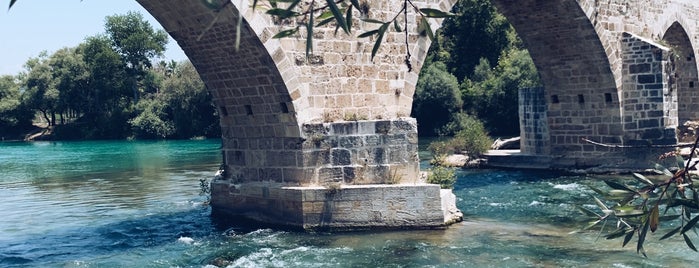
[340,208]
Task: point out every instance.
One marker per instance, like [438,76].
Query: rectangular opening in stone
[284,108]
[224,111]
[581,98]
[554,99]
[608,97]
[248,109]
[691,84]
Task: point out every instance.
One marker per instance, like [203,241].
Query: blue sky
[32,26]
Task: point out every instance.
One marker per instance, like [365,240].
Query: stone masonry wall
[533,122]
[354,152]
[361,152]
[359,207]
[649,103]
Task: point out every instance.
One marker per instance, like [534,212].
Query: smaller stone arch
[683,75]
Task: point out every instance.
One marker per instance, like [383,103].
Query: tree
[135,40]
[71,77]
[14,116]
[437,97]
[190,104]
[493,94]
[477,31]
[109,105]
[41,93]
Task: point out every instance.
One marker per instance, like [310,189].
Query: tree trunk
[46,116]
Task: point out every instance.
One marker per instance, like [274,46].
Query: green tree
[71,77]
[437,97]
[493,94]
[41,93]
[135,40]
[477,31]
[109,105]
[14,116]
[151,121]
[190,104]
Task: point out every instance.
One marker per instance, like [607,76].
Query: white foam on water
[535,203]
[566,187]
[186,240]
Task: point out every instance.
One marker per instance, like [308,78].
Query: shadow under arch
[683,72]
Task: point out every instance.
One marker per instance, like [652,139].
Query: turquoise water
[137,204]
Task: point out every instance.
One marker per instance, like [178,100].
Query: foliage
[14,115]
[445,177]
[149,123]
[492,93]
[477,31]
[41,93]
[472,137]
[437,97]
[468,43]
[135,40]
[645,204]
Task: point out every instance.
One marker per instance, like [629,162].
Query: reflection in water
[136,204]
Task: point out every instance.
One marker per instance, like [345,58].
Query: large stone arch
[581,90]
[683,72]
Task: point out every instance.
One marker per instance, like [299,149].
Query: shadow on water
[89,242]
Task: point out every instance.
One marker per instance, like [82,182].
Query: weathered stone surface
[343,208]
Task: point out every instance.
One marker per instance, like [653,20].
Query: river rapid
[138,204]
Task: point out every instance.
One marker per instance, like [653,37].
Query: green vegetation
[445,177]
[463,50]
[459,93]
[647,202]
[108,88]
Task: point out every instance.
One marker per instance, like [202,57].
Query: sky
[32,26]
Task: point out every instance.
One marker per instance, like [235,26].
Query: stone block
[341,157]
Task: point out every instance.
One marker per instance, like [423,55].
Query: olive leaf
[618,186]
[377,44]
[282,13]
[338,15]
[424,28]
[689,242]
[286,33]
[396,26]
[671,233]
[348,18]
[642,179]
[690,224]
[435,13]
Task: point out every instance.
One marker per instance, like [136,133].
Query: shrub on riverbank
[471,138]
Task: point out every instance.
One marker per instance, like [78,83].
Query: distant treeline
[108,87]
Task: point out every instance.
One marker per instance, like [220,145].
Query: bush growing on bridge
[445,177]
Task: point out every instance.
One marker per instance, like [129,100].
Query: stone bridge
[327,142]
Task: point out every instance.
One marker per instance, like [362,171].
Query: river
[138,204]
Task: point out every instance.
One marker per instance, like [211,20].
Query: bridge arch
[581,90]
[683,75]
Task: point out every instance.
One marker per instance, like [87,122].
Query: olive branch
[637,209]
